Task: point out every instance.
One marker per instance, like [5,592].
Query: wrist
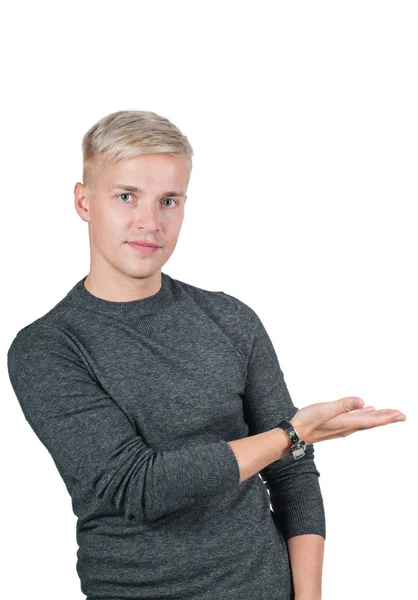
[283,436]
[299,430]
[296,445]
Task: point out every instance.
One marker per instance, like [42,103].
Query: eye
[123,194]
[127,194]
[173,199]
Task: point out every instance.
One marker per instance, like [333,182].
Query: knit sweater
[135,402]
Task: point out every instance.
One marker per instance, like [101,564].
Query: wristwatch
[298,446]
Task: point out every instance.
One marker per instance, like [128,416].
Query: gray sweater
[135,402]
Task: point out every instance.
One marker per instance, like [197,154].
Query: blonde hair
[128,133]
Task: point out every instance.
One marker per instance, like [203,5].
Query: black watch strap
[298,446]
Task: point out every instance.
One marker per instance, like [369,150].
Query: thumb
[348,404]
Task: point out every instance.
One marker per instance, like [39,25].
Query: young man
[136,383]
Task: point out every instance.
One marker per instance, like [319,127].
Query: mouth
[146,248]
[144,243]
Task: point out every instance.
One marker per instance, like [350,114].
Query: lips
[144,243]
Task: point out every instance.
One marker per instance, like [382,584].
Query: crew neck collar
[86,299]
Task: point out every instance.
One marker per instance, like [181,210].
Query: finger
[364,418]
[377,418]
[347,404]
[336,409]
[366,409]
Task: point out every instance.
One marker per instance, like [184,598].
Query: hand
[339,418]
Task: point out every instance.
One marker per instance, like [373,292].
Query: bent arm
[293,485]
[86,432]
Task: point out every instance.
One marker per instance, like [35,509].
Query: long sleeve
[90,436]
[295,494]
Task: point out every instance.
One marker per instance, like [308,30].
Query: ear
[81,202]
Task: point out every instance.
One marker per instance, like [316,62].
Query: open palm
[339,418]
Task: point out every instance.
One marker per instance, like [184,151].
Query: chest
[177,378]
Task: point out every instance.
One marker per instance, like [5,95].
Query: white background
[303,120]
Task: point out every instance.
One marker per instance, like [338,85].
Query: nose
[147,216]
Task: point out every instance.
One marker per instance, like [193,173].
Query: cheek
[108,228]
[113,223]
[116,222]
[174,219]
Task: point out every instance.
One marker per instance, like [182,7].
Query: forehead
[148,170]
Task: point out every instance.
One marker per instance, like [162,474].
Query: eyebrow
[133,188]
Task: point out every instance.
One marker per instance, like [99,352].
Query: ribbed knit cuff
[301,515]
[215,468]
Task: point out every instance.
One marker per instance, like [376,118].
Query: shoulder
[46,326]
[193,292]
[39,342]
[217,298]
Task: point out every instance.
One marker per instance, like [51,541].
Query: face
[138,198]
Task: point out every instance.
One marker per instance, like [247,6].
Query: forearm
[253,453]
[306,553]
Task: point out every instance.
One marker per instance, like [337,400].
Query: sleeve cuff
[300,516]
[213,468]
